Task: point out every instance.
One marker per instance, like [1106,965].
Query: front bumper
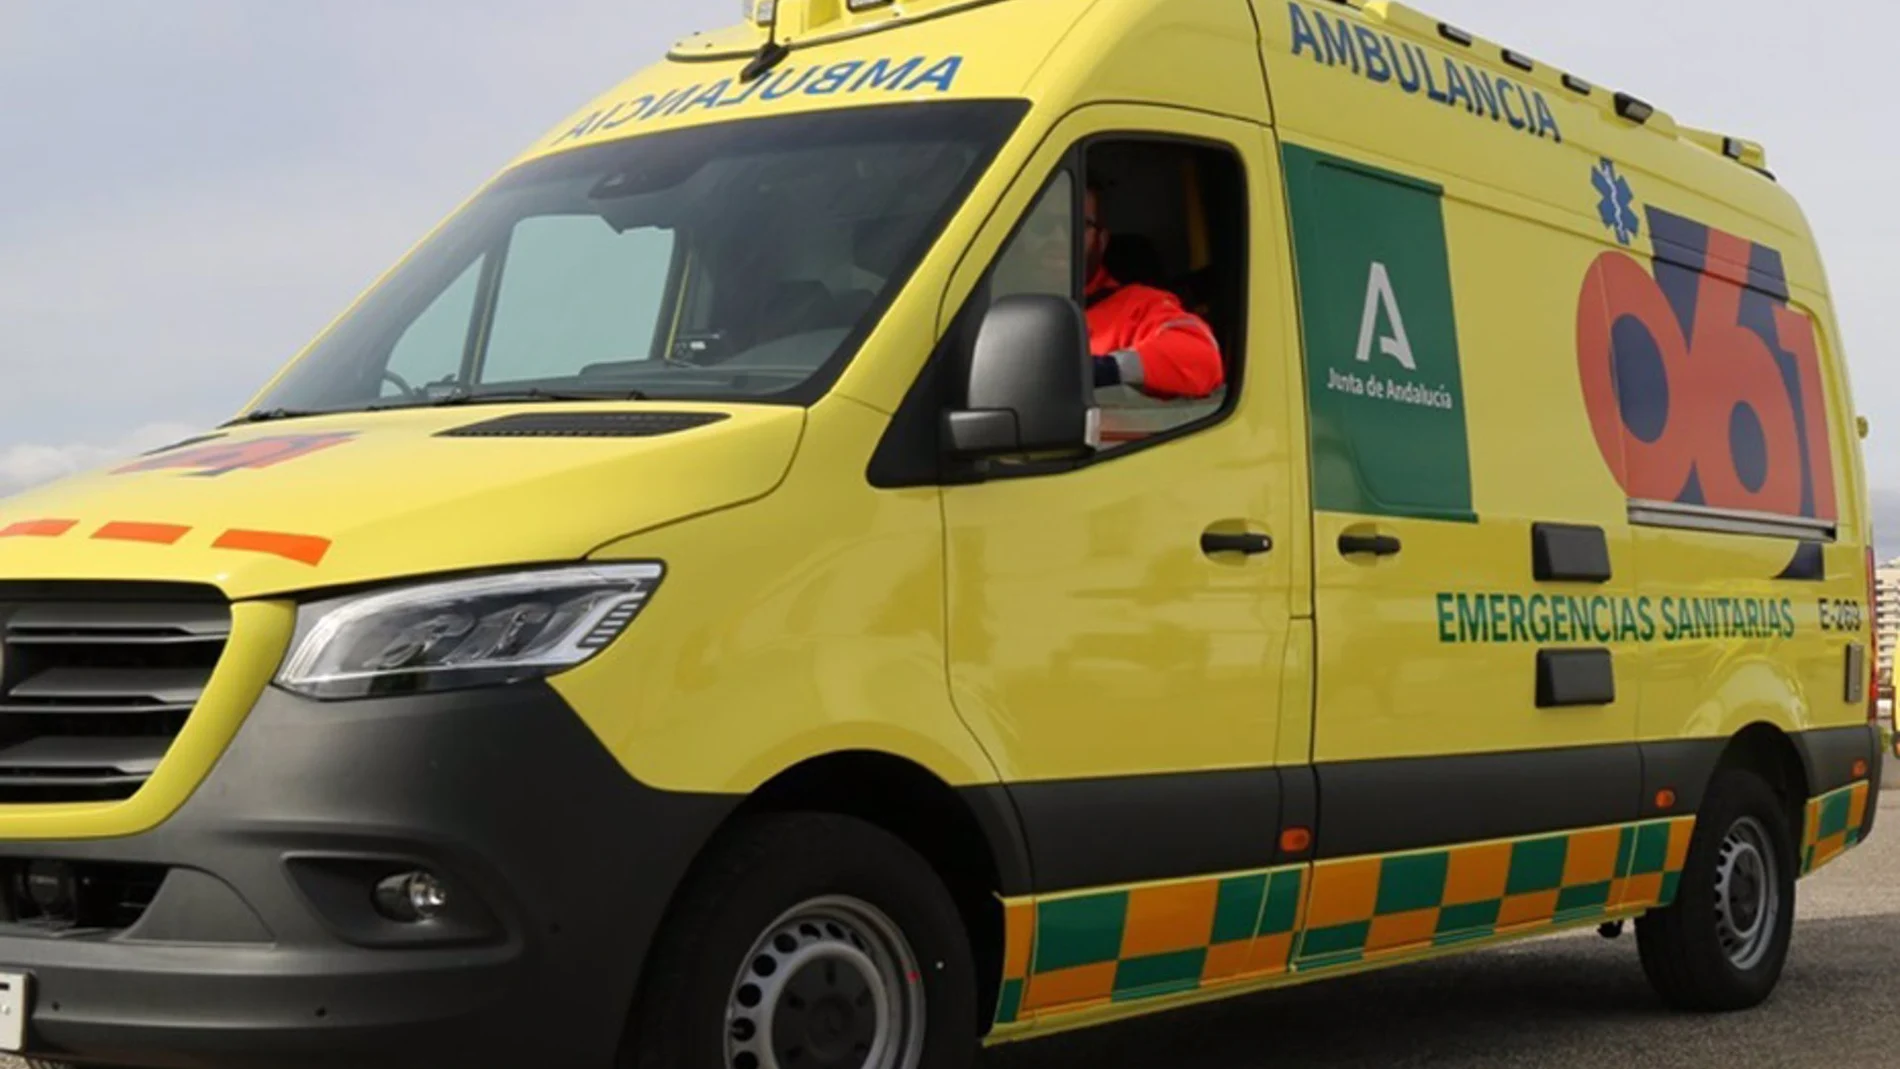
[262,948]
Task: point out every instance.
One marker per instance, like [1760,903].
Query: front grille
[95,685]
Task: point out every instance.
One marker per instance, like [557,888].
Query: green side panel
[1412,883]
[1161,974]
[1589,898]
[1537,865]
[1237,911]
[1834,814]
[1283,904]
[1853,838]
[1331,943]
[1010,1002]
[1080,931]
[1384,378]
[1625,851]
[1652,850]
[1476,916]
[1670,884]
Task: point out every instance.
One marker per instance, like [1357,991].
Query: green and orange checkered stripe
[1833,825]
[1075,951]
[1078,951]
[1376,907]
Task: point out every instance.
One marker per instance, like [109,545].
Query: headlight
[463,633]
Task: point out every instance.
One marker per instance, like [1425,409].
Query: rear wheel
[809,941]
[1722,944]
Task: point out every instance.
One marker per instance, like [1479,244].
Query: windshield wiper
[457,396]
[272,415]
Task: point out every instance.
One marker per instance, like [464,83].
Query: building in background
[1887,618]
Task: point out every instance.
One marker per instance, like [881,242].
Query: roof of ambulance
[898,52]
[902,51]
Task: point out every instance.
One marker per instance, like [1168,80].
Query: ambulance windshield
[743,261]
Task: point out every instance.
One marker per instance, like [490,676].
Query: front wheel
[809,941]
[1720,946]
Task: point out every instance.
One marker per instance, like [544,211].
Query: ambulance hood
[298,504]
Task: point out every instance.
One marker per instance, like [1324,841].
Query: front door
[1118,629]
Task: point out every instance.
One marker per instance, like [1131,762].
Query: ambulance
[700,610]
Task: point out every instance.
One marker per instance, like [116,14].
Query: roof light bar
[1633,109]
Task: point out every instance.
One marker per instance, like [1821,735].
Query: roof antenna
[773,54]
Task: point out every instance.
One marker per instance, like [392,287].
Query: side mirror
[1031,386]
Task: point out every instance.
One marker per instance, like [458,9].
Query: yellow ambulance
[759,586]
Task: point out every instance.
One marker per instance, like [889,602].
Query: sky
[192,189]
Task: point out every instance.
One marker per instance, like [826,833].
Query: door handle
[1376,545]
[1251,544]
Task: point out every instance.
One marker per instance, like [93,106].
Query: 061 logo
[1702,382]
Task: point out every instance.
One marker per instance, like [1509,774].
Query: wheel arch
[970,835]
[1774,755]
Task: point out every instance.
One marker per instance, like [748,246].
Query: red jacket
[1161,348]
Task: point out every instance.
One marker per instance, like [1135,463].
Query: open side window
[1167,219]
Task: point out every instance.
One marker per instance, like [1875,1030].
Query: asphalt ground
[1560,1002]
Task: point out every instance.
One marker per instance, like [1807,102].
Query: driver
[1141,336]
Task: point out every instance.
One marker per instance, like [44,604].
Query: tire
[1702,954]
[812,908]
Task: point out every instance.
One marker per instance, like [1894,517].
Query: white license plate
[13,1012]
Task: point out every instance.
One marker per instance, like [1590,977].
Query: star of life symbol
[1617,208]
